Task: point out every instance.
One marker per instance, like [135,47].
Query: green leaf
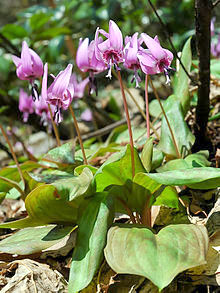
[13,31]
[12,173]
[183,136]
[76,186]
[91,240]
[157,158]
[155,109]
[33,240]
[181,90]
[147,154]
[160,257]
[215,67]
[63,154]
[45,205]
[117,169]
[53,32]
[196,178]
[192,161]
[38,20]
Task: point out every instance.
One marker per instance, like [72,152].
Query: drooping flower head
[87,62]
[77,88]
[29,66]
[26,104]
[111,50]
[155,59]
[132,45]
[58,94]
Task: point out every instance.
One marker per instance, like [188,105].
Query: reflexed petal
[104,33]
[147,63]
[97,51]
[20,73]
[61,82]
[115,36]
[104,46]
[66,100]
[82,59]
[16,60]
[155,48]
[169,55]
[44,83]
[26,59]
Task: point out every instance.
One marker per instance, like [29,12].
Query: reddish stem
[54,127]
[147,106]
[128,122]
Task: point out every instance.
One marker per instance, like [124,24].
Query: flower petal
[155,48]
[44,83]
[26,59]
[82,59]
[115,36]
[37,64]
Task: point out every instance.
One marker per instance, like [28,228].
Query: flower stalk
[54,127]
[147,106]
[128,122]
[165,116]
[78,134]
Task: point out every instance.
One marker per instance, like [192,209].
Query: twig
[170,41]
[10,45]
[13,154]
[5,149]
[215,3]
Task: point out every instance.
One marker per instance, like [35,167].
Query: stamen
[34,92]
[110,69]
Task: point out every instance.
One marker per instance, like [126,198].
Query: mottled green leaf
[160,257]
[33,240]
[147,154]
[91,240]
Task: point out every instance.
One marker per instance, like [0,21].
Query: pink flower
[86,59]
[111,50]
[77,88]
[132,45]
[155,59]
[212,26]
[29,66]
[41,109]
[86,115]
[215,48]
[26,105]
[58,94]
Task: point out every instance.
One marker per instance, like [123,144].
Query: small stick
[128,123]
[13,154]
[54,127]
[171,132]
[147,106]
[78,134]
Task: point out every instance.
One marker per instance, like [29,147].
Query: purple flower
[41,109]
[86,59]
[155,59]
[86,115]
[111,50]
[29,66]
[26,105]
[58,94]
[132,45]
[215,48]
[77,88]
[212,27]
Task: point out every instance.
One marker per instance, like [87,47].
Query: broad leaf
[181,90]
[45,205]
[33,240]
[183,136]
[117,169]
[192,161]
[196,178]
[91,240]
[160,257]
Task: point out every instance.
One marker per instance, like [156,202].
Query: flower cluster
[105,51]
[101,54]
[215,43]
